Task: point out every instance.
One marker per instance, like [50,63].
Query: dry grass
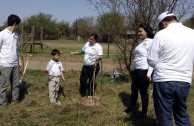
[35,109]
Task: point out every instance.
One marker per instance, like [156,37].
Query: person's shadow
[125,98]
[23,90]
[61,91]
[133,117]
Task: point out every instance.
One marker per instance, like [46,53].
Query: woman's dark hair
[95,36]
[55,52]
[12,19]
[147,29]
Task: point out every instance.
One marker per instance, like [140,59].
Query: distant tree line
[108,24]
[53,29]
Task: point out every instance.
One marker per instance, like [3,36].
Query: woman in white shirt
[141,71]
[93,53]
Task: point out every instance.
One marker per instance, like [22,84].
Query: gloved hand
[90,61]
[92,58]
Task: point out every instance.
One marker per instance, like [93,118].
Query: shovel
[28,58]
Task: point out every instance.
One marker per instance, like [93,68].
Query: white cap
[164,15]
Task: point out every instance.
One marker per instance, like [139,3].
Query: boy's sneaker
[2,106]
[57,103]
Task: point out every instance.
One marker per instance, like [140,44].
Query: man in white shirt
[172,57]
[9,60]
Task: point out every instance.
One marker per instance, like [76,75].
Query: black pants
[141,84]
[87,72]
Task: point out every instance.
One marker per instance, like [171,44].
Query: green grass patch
[65,47]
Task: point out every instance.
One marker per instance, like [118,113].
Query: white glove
[90,61]
[92,58]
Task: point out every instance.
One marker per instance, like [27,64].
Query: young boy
[55,70]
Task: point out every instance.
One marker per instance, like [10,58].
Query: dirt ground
[37,63]
[70,63]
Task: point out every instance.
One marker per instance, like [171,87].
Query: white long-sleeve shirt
[8,48]
[172,54]
[140,61]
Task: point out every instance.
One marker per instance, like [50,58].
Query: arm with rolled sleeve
[48,67]
[153,52]
[150,70]
[81,51]
[100,54]
[62,71]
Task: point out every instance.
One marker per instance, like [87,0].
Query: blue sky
[62,10]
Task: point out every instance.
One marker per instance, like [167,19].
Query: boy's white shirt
[8,48]
[140,61]
[54,68]
[172,54]
[91,51]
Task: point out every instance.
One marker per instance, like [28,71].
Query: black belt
[53,76]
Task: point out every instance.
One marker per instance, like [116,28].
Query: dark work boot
[130,109]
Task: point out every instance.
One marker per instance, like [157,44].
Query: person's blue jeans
[171,97]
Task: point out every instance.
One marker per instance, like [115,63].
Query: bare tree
[107,29]
[136,12]
[83,27]
[190,22]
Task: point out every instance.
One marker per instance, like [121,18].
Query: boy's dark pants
[87,73]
